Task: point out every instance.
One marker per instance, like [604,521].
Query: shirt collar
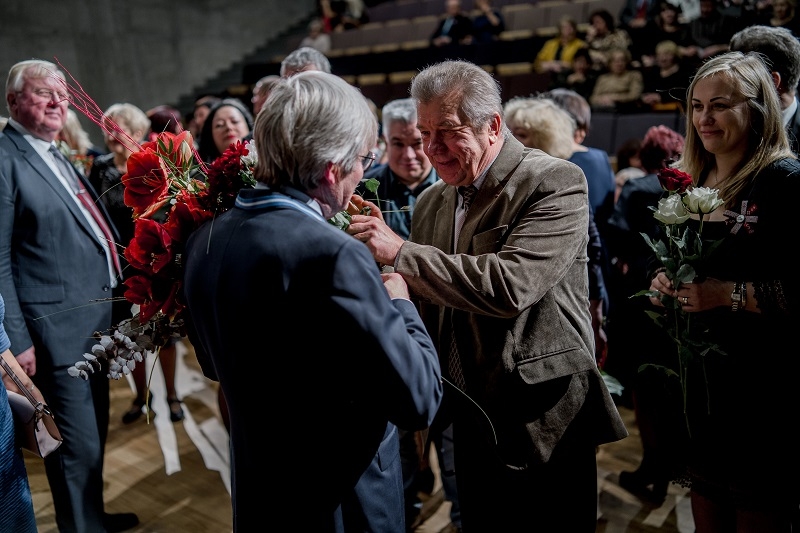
[788,113]
[41,146]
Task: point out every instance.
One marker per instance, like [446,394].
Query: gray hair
[312,119]
[401,110]
[130,115]
[31,69]
[302,57]
[478,91]
[779,45]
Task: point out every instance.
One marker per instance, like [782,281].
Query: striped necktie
[69,172]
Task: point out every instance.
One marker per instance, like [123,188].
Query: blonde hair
[551,129]
[131,116]
[750,80]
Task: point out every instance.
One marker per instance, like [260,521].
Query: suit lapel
[32,157]
[443,225]
[500,171]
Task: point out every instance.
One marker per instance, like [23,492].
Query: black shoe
[175,409]
[119,522]
[634,483]
[137,410]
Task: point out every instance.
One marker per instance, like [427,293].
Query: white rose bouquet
[680,251]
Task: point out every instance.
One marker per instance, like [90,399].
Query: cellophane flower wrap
[171,194]
[680,250]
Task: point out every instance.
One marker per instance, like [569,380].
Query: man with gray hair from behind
[782,51]
[302,59]
[367,362]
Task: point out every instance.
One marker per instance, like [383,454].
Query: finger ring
[685,300]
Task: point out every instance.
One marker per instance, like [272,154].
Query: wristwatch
[739,296]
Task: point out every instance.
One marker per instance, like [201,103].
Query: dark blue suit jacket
[312,355]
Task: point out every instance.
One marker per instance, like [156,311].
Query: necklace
[713,180]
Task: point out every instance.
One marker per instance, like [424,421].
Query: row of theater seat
[522,20]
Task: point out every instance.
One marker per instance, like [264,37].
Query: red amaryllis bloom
[150,250]
[146,182]
[226,176]
[176,148]
[153,295]
[186,216]
[674,180]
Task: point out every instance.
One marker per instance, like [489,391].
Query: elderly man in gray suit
[502,284]
[57,263]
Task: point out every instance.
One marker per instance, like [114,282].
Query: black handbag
[34,425]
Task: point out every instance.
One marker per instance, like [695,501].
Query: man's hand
[383,243]
[27,360]
[396,286]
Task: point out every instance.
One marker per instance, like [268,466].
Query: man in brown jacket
[506,298]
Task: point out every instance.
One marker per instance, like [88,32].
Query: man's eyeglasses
[367,160]
[49,94]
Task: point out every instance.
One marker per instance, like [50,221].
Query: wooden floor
[176,476]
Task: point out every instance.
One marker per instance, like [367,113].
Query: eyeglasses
[49,94]
[367,160]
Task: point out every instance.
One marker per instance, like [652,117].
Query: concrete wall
[147,52]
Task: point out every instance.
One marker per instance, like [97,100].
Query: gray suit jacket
[51,263]
[53,277]
[517,295]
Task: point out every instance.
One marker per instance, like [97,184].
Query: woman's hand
[693,297]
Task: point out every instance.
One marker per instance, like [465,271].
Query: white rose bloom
[702,200]
[671,210]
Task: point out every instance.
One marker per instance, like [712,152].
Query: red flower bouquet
[170,196]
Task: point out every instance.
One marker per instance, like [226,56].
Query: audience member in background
[321,289]
[620,88]
[783,15]
[746,300]
[317,38]
[163,118]
[302,59]
[74,143]
[341,15]
[261,92]
[543,124]
[666,27]
[629,164]
[528,404]
[782,49]
[710,33]
[55,260]
[665,83]
[406,175]
[455,27]
[488,24]
[635,15]
[602,36]
[593,161]
[690,9]
[556,54]
[106,178]
[633,336]
[227,122]
[201,108]
[580,78]
[16,512]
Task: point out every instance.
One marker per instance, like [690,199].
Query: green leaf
[372,185]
